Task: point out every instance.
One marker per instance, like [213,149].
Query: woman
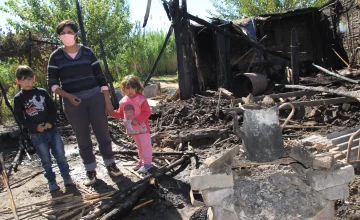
[86,97]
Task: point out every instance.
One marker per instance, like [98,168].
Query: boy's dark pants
[51,141]
[91,111]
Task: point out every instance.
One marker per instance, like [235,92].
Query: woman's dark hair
[66,23]
[24,71]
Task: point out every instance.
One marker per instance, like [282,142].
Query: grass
[167,78]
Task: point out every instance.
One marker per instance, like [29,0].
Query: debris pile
[298,186]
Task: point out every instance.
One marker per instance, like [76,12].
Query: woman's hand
[74,100]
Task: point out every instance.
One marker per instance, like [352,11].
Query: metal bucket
[245,83]
[262,133]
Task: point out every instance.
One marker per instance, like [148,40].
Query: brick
[196,198]
[219,213]
[201,182]
[214,197]
[339,174]
[218,163]
[327,213]
[323,162]
[336,192]
[301,154]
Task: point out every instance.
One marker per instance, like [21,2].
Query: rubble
[305,190]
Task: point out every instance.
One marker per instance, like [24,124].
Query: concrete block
[328,213]
[218,163]
[339,174]
[300,169]
[152,90]
[336,192]
[201,182]
[218,213]
[301,154]
[215,197]
[321,162]
[196,198]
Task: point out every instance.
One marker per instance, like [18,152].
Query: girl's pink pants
[143,143]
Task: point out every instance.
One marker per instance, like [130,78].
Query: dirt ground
[350,208]
[170,197]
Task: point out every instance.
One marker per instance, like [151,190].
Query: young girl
[135,111]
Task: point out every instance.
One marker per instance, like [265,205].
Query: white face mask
[68,39]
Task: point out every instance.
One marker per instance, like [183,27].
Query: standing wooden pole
[188,60]
[109,78]
[294,56]
[181,38]
[81,23]
[29,59]
[159,56]
[6,184]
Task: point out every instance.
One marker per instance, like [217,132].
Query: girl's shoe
[138,166]
[145,168]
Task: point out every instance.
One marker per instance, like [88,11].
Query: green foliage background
[236,9]
[129,49]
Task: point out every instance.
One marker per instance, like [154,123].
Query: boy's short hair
[24,71]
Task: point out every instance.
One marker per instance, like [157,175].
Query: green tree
[235,9]
[103,19]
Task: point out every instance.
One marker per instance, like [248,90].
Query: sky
[157,19]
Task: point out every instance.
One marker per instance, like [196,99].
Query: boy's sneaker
[68,181]
[53,186]
[91,178]
[113,170]
[145,168]
[138,166]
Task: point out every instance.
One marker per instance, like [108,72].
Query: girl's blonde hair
[131,81]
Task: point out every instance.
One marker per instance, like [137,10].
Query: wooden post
[159,56]
[109,78]
[29,61]
[184,74]
[81,23]
[189,59]
[223,71]
[6,184]
[294,56]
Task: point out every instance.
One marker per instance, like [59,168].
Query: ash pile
[268,179]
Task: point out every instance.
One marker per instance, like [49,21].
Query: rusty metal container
[245,83]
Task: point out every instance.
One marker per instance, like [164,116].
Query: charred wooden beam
[146,17]
[237,37]
[278,95]
[134,153]
[332,101]
[201,133]
[159,56]
[183,51]
[336,75]
[109,78]
[124,193]
[294,57]
[351,94]
[81,23]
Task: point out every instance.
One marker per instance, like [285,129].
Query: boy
[37,112]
